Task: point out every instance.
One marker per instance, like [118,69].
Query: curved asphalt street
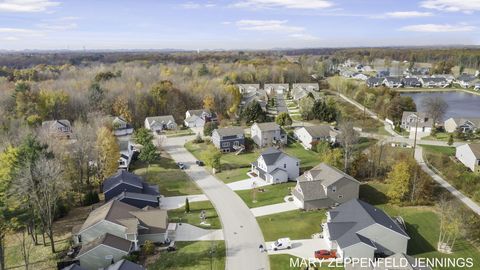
[240,228]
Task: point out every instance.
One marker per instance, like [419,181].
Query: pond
[460,104]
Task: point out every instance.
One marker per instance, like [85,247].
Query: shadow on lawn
[417,243]
[372,195]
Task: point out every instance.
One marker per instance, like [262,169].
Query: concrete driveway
[247,184]
[304,248]
[188,232]
[240,228]
[175,202]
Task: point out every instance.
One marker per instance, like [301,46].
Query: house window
[334,188]
[297,163]
[284,165]
[236,143]
[340,196]
[225,144]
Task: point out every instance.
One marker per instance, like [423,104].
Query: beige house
[308,136]
[265,134]
[160,123]
[324,186]
[462,124]
[469,155]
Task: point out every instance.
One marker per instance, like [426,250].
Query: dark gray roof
[137,196]
[434,80]
[125,265]
[394,79]
[109,240]
[373,80]
[268,126]
[229,131]
[271,155]
[466,78]
[122,177]
[361,215]
[411,81]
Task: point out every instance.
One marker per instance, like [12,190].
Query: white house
[469,155]
[308,136]
[417,123]
[392,82]
[244,88]
[264,134]
[274,166]
[462,124]
[121,127]
[437,82]
[126,154]
[357,229]
[276,88]
[198,118]
[360,76]
[466,80]
[160,123]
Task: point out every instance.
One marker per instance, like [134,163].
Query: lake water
[460,104]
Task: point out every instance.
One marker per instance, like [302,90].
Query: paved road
[240,228]
[281,105]
[471,204]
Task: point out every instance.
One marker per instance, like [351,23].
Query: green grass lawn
[282,262]
[193,218]
[440,136]
[193,256]
[272,194]
[422,226]
[228,176]
[295,224]
[308,159]
[449,151]
[179,132]
[164,172]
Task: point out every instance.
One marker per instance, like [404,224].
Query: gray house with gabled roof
[357,229]
[58,128]
[160,123]
[125,265]
[104,251]
[324,186]
[131,189]
[269,133]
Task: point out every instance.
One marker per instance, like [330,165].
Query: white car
[282,243]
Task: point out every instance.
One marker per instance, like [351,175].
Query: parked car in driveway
[282,243]
[200,163]
[181,166]
[325,254]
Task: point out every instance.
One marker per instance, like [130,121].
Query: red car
[325,254]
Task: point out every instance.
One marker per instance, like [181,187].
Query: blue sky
[235,24]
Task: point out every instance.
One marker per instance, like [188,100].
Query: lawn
[193,256]
[165,173]
[228,176]
[422,226]
[272,194]
[295,224]
[179,132]
[282,262]
[454,172]
[193,218]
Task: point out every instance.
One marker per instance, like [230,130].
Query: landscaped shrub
[148,247]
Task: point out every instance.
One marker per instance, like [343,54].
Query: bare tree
[26,246]
[435,107]
[43,183]
[348,138]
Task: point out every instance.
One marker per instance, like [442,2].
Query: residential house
[276,88]
[383,73]
[158,124]
[375,81]
[124,221]
[104,251]
[245,88]
[309,136]
[309,87]
[126,154]
[357,229]
[324,186]
[347,73]
[228,139]
[463,125]
[58,128]
[274,166]
[393,82]
[131,189]
[251,94]
[125,265]
[360,76]
[434,82]
[466,80]
[469,155]
[477,86]
[411,82]
[417,123]
[198,118]
[400,261]
[265,134]
[121,127]
[449,77]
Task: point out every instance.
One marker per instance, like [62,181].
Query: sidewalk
[467,201]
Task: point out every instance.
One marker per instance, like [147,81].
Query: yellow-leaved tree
[399,179]
[108,153]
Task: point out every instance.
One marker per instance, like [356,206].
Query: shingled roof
[271,155]
[109,240]
[348,219]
